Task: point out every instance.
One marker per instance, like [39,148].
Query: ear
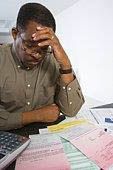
[14,32]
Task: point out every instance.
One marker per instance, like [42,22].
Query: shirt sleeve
[9,120]
[69,97]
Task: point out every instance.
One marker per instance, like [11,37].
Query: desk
[34,128]
[91,102]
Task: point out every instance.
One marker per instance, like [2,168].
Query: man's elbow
[72,111]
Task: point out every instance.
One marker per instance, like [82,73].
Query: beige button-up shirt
[24,89]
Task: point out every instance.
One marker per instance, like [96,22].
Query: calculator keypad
[9,142]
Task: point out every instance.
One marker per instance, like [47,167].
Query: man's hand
[46,37]
[48,113]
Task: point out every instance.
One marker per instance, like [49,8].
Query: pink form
[97,145]
[44,152]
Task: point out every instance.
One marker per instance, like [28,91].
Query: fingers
[55,108]
[50,113]
[42,37]
[41,31]
[44,33]
[45,43]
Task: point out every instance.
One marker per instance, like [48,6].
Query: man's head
[30,16]
[37,13]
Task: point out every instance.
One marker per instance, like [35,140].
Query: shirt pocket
[46,95]
[8,96]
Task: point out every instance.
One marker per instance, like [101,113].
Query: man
[36,78]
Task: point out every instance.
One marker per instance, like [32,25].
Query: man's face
[26,49]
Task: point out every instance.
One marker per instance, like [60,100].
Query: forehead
[29,30]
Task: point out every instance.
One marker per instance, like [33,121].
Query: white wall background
[86,31]
[9,10]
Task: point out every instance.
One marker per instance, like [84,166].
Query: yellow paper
[63,126]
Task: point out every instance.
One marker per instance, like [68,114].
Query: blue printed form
[109,120]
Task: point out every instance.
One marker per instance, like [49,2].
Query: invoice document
[44,152]
[93,142]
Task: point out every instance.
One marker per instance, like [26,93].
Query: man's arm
[46,114]
[16,120]
[9,120]
[70,98]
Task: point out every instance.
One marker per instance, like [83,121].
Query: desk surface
[89,103]
[93,103]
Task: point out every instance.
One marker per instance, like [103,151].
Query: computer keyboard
[11,145]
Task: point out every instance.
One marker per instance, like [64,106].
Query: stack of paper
[103,116]
[77,160]
[92,141]
[81,144]
[44,152]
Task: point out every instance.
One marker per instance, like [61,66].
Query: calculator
[11,145]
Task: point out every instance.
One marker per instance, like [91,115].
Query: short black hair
[35,12]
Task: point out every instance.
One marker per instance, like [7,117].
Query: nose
[31,53]
[35,55]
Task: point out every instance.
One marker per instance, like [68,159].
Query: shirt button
[64,87]
[28,103]
[69,88]
[28,85]
[70,102]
